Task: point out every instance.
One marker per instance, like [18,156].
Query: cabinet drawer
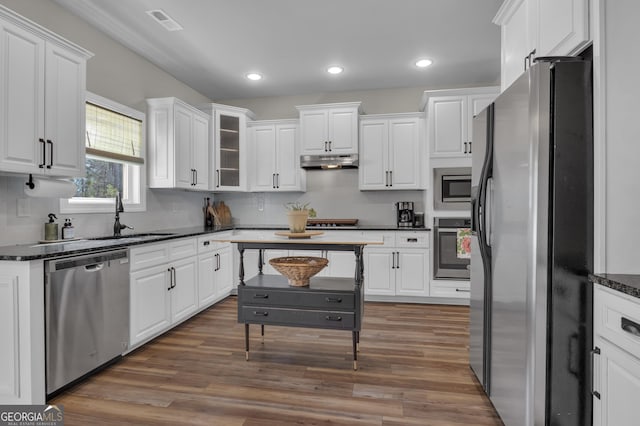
[295,299]
[208,243]
[148,255]
[457,289]
[297,317]
[617,319]
[388,238]
[180,249]
[412,239]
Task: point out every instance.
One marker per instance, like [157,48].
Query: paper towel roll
[51,188]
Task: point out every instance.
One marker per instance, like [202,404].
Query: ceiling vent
[165,20]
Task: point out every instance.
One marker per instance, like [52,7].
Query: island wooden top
[251,237]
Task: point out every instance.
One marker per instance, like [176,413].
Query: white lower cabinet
[165,293]
[616,369]
[215,267]
[398,268]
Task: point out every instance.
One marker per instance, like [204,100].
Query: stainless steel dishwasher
[86,314]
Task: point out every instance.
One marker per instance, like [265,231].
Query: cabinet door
[200,150]
[65,112]
[207,263]
[379,272]
[22,57]
[287,161]
[404,154]
[150,303]
[516,43]
[182,148]
[343,131]
[619,386]
[184,299]
[342,264]
[224,274]
[447,126]
[412,272]
[314,131]
[563,26]
[230,151]
[475,104]
[264,155]
[374,154]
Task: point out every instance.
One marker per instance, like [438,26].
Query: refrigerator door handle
[487,216]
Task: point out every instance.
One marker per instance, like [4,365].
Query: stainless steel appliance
[532,246]
[86,314]
[405,214]
[452,188]
[446,263]
[328,162]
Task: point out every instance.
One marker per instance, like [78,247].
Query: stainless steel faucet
[117,226]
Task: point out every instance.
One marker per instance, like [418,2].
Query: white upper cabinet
[178,136]
[229,157]
[42,87]
[329,128]
[274,148]
[391,152]
[533,28]
[450,118]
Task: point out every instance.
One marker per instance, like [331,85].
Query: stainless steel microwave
[452,188]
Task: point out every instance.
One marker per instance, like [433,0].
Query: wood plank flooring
[413,370]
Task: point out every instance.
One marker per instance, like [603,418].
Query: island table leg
[246,342]
[355,350]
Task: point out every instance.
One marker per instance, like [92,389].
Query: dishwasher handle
[94,267]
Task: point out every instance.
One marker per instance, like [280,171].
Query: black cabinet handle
[218,178]
[218,261]
[463,290]
[470,147]
[195,181]
[465,148]
[594,351]
[325,146]
[278,180]
[50,153]
[273,180]
[330,146]
[333,299]
[526,59]
[260,314]
[174,277]
[206,243]
[44,153]
[260,296]
[386,178]
[170,280]
[412,240]
[397,260]
[332,318]
[630,326]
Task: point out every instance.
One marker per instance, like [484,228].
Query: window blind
[113,135]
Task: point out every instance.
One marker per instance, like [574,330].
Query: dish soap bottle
[67,230]
[51,228]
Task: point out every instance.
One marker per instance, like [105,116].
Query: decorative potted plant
[297,216]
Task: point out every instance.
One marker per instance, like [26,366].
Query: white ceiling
[291,42]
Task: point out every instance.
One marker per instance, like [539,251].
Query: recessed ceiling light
[423,63]
[335,69]
[254,76]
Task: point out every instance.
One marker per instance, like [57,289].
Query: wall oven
[446,262]
[452,188]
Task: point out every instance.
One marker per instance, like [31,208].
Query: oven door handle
[487,214]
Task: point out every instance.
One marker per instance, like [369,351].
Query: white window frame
[137,181]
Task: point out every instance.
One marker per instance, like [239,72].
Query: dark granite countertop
[35,251]
[625,283]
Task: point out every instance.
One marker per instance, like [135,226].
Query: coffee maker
[405,214]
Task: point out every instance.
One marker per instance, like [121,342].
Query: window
[114,147]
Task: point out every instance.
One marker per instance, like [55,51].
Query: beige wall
[115,72]
[381,101]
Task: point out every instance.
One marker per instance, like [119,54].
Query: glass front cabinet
[229,156]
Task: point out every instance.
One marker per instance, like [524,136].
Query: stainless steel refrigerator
[532,246]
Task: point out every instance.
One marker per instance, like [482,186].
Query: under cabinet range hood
[329,161]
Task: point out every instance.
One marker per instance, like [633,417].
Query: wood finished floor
[413,370]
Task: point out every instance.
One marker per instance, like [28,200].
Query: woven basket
[298,269]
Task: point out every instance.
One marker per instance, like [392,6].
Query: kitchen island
[331,303]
